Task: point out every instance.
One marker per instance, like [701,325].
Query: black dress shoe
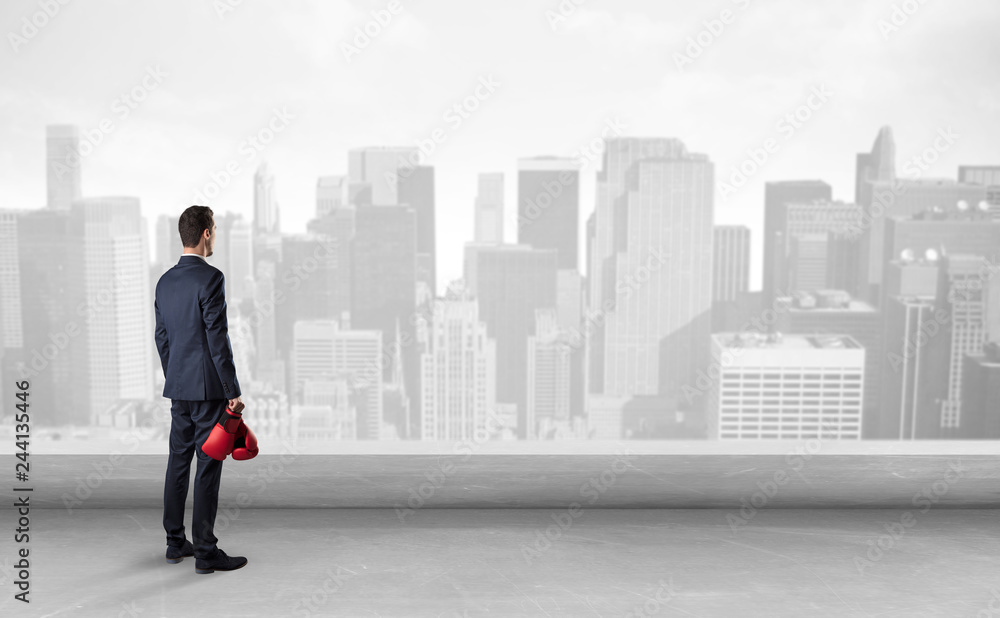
[176,554]
[221,562]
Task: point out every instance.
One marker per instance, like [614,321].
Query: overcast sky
[219,76]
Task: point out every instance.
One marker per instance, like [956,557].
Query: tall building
[62,165]
[168,242]
[336,229]
[384,265]
[604,234]
[548,206]
[331,194]
[511,282]
[807,262]
[786,387]
[777,227]
[731,263]
[658,312]
[111,274]
[382,167]
[879,165]
[416,190]
[790,220]
[46,314]
[384,285]
[11,325]
[962,297]
[909,387]
[842,261]
[323,351]
[311,280]
[903,198]
[489,209]
[549,373]
[955,229]
[834,311]
[266,218]
[238,245]
[458,373]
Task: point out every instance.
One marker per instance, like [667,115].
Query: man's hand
[236,405]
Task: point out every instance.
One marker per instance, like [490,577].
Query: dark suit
[192,338]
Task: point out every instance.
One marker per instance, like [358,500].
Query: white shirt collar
[195,254]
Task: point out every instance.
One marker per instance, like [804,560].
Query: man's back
[192,333]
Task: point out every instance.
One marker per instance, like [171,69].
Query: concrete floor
[471,562]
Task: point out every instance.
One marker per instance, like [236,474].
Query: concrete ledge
[620,475]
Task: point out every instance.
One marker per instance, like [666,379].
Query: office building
[548,206]
[658,311]
[63,159]
[786,387]
[777,227]
[489,209]
[111,273]
[381,167]
[324,351]
[834,311]
[458,373]
[549,373]
[510,283]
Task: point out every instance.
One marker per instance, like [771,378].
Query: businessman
[192,338]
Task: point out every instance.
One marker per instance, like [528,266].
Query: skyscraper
[53,344]
[489,209]
[602,234]
[903,198]
[168,242]
[791,387]
[962,301]
[382,167]
[791,220]
[910,385]
[730,270]
[112,276]
[511,282]
[323,351]
[265,204]
[777,226]
[879,165]
[331,194]
[951,229]
[549,373]
[458,381]
[807,262]
[658,308]
[237,243]
[548,206]
[62,165]
[384,285]
[416,190]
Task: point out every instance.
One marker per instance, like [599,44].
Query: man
[192,338]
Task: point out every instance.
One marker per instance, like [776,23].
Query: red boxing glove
[245,445]
[220,441]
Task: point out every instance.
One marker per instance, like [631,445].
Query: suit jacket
[192,332]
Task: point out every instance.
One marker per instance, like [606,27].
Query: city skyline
[207,129]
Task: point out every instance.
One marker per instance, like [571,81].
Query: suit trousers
[191,423]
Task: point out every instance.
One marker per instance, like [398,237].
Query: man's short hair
[193,222]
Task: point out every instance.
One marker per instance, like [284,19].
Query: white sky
[225,75]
